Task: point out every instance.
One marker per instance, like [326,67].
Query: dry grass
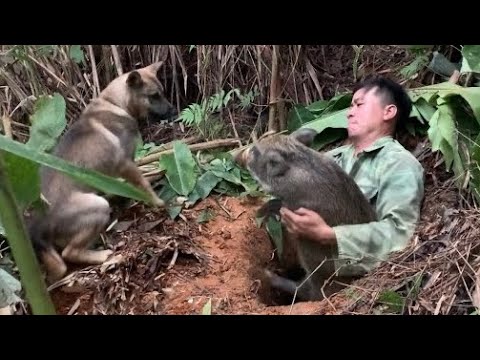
[438,272]
[305,74]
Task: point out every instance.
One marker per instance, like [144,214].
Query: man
[389,175]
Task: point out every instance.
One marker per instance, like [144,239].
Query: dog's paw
[157,202]
[102,255]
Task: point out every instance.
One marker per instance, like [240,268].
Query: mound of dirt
[177,267]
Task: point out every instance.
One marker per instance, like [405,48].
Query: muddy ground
[176,267]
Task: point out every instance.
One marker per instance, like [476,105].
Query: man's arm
[398,207]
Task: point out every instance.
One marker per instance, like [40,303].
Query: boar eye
[276,165]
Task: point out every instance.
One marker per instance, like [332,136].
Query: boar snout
[241,157]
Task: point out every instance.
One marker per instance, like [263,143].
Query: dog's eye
[155,96]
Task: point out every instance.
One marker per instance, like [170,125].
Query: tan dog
[102,139]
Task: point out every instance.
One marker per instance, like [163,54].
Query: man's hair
[390,92]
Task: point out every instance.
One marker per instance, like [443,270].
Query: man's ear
[390,112]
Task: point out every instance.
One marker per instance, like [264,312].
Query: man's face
[367,114]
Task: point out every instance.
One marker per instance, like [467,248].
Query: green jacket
[393,180]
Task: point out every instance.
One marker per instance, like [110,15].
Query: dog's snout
[172,112]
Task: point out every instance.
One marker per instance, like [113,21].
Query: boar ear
[276,164]
[304,135]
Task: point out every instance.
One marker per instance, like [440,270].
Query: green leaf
[10,288]
[174,211]
[142,150]
[446,90]
[442,134]
[180,168]
[107,184]
[328,136]
[232,176]
[226,188]
[167,193]
[48,122]
[394,301]
[416,65]
[339,102]
[298,116]
[274,229]
[318,106]
[337,119]
[25,179]
[424,109]
[76,54]
[205,184]
[471,58]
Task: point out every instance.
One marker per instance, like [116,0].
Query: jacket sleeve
[399,197]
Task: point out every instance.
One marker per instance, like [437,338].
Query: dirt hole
[178,267]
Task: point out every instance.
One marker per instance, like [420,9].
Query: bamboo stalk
[7,126]
[22,249]
[116,59]
[195,147]
[94,71]
[272,126]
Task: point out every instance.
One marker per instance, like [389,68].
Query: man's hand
[308,223]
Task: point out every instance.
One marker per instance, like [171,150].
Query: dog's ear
[134,80]
[154,68]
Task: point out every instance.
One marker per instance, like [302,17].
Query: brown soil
[220,261]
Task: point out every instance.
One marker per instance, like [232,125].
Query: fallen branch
[194,147]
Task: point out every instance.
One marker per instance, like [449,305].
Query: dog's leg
[130,172]
[76,251]
[56,267]
[83,217]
